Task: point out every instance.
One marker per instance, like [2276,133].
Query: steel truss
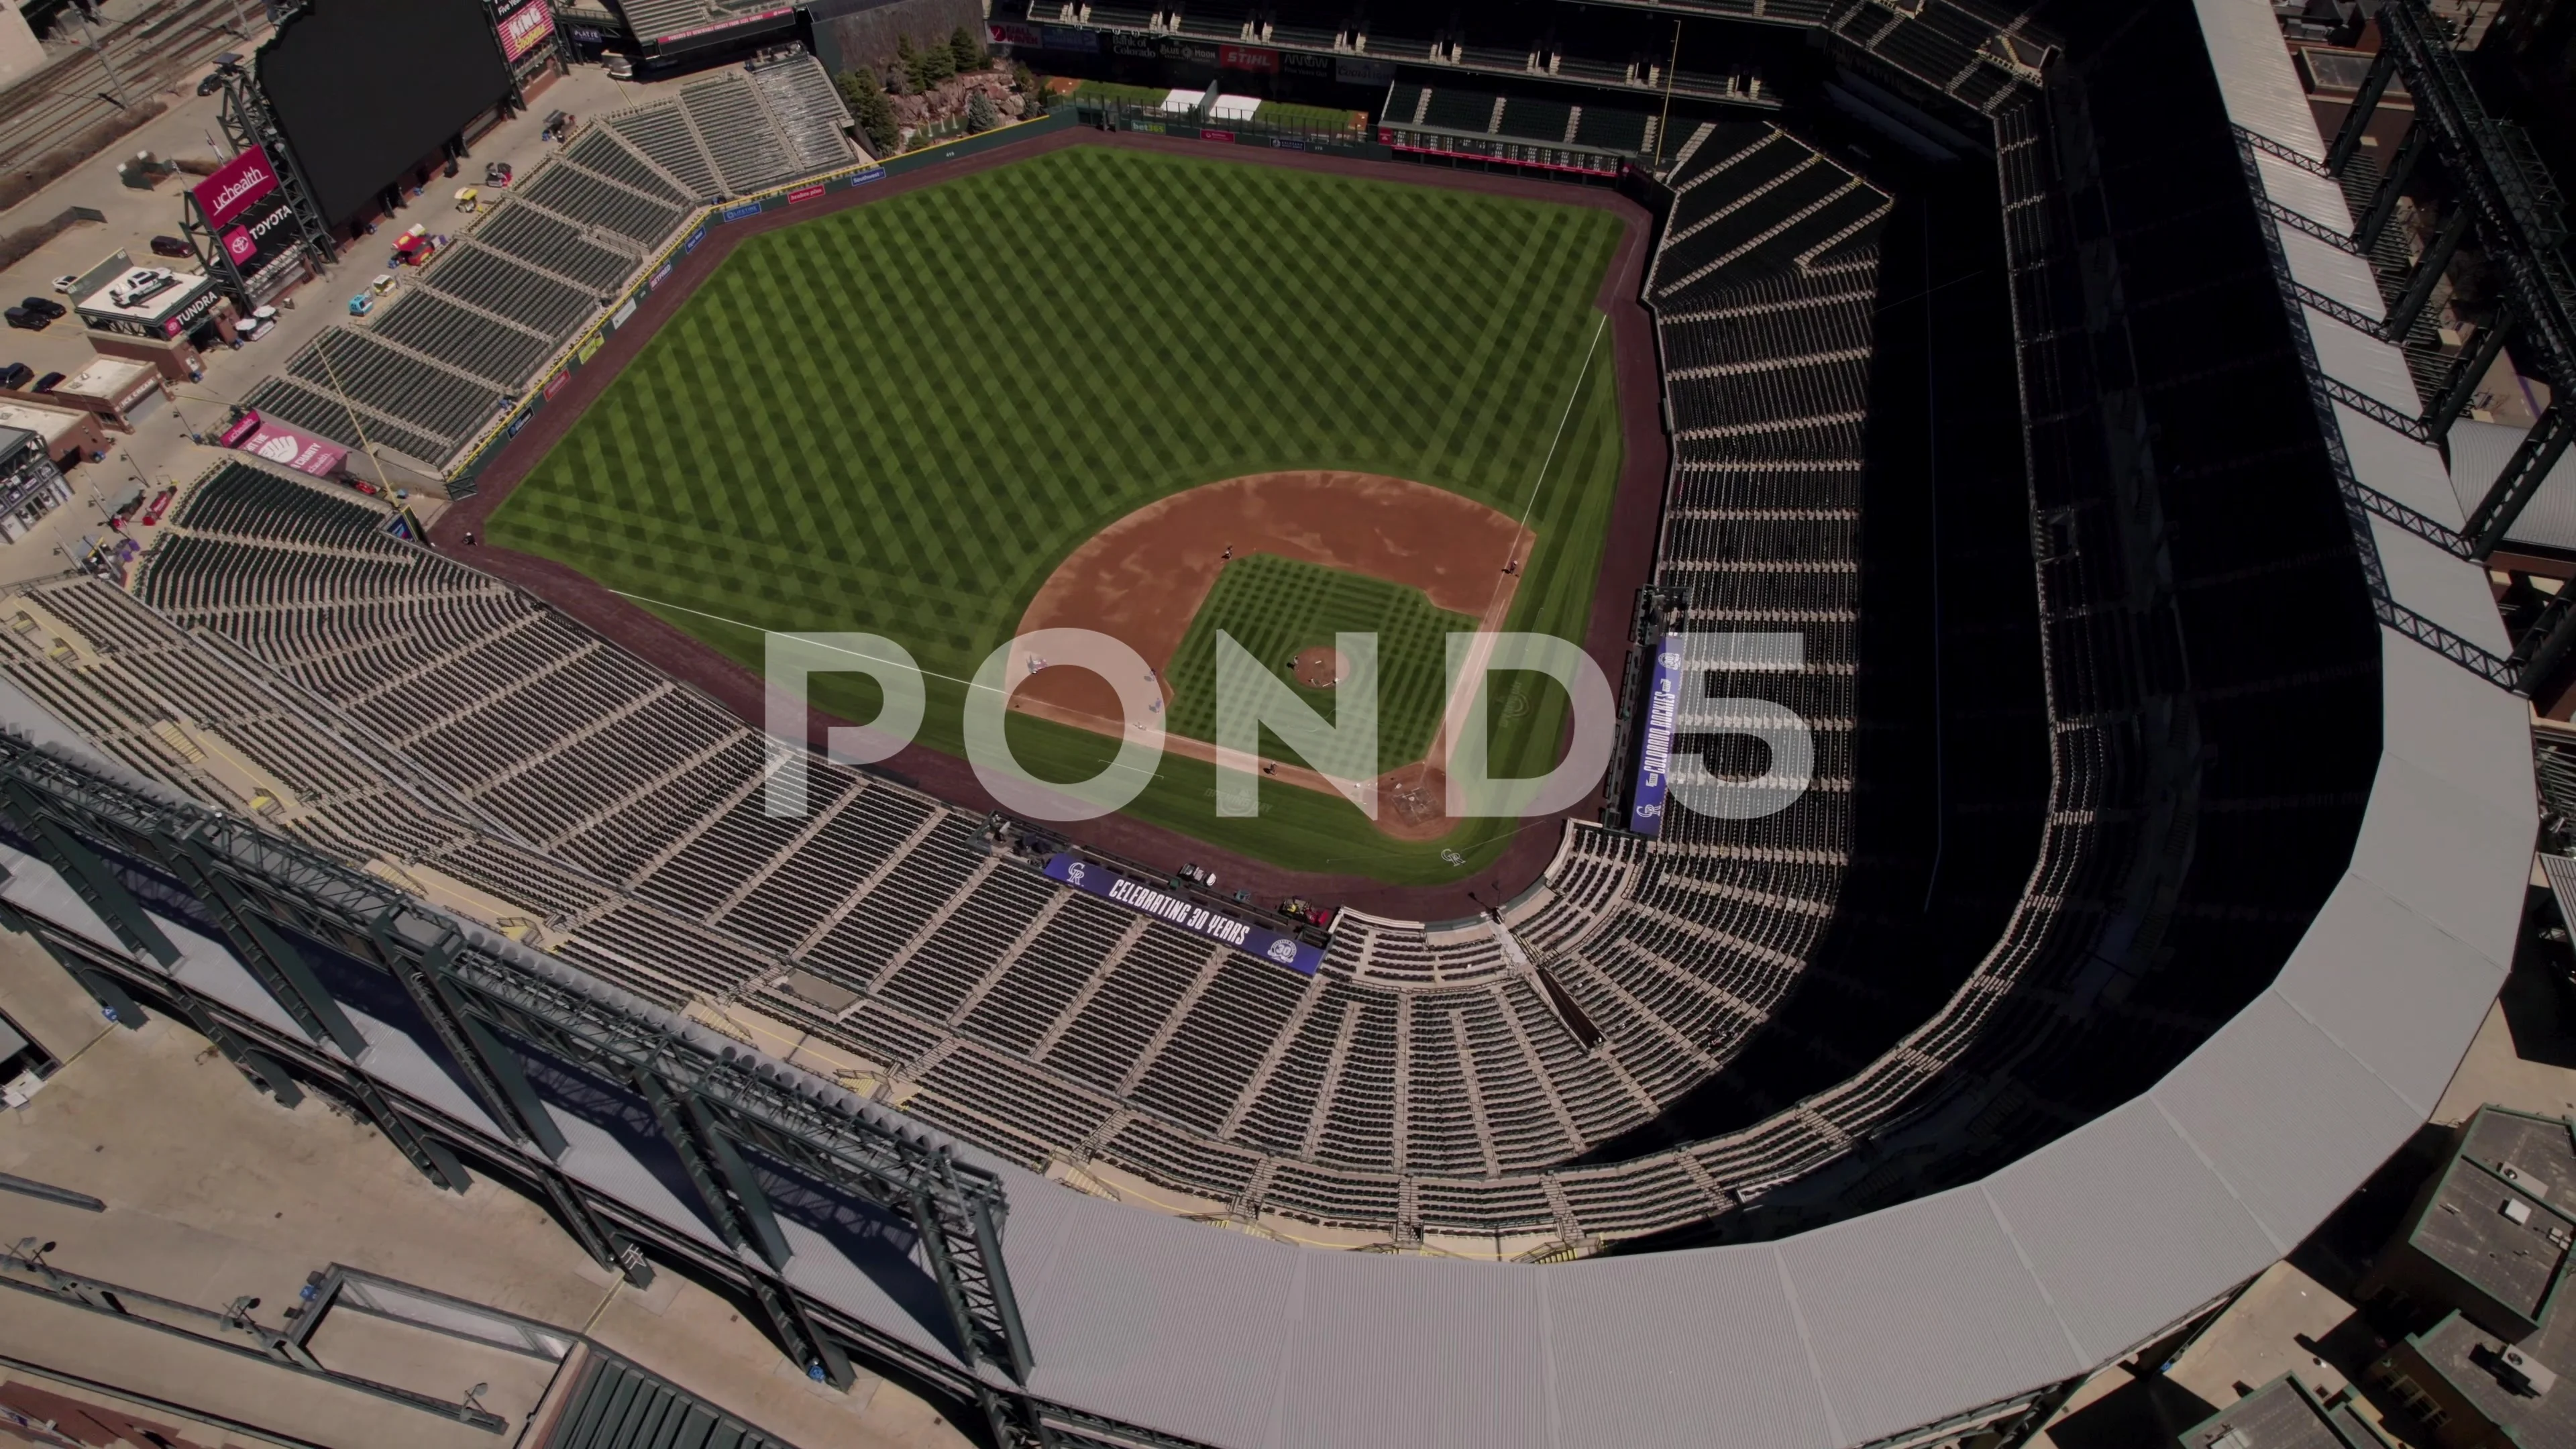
[725,1111]
[247,121]
[2362,502]
[2507,196]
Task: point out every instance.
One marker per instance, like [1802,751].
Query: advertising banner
[1066,37]
[260,236]
[1093,878]
[1249,57]
[235,186]
[524,29]
[743,211]
[1353,71]
[186,318]
[1003,32]
[803,194]
[263,437]
[1655,754]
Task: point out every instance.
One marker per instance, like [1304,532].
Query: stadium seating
[1424,1082]
[486,317]
[662,131]
[746,147]
[500,352]
[805,106]
[555,246]
[1421,1082]
[396,382]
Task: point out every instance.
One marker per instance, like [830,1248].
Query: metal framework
[2507,197]
[731,1117]
[247,121]
[2361,502]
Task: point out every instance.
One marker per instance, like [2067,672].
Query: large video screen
[365,88]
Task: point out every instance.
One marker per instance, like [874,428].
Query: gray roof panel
[1369,1333]
[2479,452]
[1865,1287]
[2406,1027]
[2275,1066]
[1209,1363]
[2126,1225]
[2452,859]
[1638,1341]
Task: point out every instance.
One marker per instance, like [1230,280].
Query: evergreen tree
[965,51]
[1033,100]
[907,61]
[929,65]
[980,115]
[870,107]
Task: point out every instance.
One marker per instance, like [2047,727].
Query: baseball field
[910,417]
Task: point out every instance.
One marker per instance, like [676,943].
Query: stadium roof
[2064,1260]
[2060,1262]
[2479,452]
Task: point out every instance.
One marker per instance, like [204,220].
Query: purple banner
[1655,756]
[1093,878]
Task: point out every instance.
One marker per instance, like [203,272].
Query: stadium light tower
[247,121]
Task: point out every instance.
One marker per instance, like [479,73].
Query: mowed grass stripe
[900,418]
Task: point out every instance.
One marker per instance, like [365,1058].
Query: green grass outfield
[901,417]
[1276,607]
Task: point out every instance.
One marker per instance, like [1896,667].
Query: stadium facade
[2280,867]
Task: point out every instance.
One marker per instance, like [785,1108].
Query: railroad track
[163,47]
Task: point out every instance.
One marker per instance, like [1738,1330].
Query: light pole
[115,82]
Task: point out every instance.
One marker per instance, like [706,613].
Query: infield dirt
[1143,579]
[1628,561]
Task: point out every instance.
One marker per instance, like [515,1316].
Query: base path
[1627,563]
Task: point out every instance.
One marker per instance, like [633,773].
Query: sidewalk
[213,1192]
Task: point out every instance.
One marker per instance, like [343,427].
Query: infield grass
[901,417]
[1276,607]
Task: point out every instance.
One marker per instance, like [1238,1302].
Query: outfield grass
[1276,607]
[900,418]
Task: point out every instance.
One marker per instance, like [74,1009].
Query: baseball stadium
[2001,383]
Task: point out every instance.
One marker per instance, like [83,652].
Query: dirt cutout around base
[1321,667]
[1143,579]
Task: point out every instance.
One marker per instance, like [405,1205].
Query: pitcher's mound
[1321,667]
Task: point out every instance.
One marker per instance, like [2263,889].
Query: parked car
[66,282]
[48,382]
[170,246]
[24,320]
[16,375]
[43,307]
